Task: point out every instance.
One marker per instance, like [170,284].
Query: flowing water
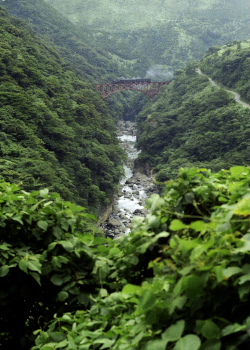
[134,188]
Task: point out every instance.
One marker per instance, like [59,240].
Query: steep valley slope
[56,130]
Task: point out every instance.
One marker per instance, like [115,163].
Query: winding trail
[236,95]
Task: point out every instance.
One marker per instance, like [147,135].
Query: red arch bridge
[143,85]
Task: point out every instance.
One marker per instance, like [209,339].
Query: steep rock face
[56,131]
[140,166]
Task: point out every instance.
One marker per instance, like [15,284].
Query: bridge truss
[151,89]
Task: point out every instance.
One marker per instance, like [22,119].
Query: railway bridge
[143,85]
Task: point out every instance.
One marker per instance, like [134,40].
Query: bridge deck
[151,89]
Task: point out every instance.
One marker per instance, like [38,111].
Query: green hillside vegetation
[56,131]
[165,32]
[78,53]
[125,14]
[194,123]
[171,44]
[229,65]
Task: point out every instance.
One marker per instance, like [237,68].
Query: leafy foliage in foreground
[46,260]
[180,280]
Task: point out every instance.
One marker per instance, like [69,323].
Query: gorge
[156,278]
[135,187]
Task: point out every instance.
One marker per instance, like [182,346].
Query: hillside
[163,32]
[169,283]
[103,14]
[194,123]
[74,47]
[229,65]
[56,131]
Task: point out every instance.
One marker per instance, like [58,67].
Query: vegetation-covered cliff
[229,65]
[56,131]
[75,49]
[194,123]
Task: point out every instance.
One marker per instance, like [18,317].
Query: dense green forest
[78,53]
[180,279]
[194,123]
[56,131]
[229,65]
[125,14]
[143,34]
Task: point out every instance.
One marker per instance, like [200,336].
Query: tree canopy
[56,131]
[193,123]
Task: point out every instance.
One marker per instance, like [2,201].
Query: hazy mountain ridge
[75,47]
[129,14]
[169,33]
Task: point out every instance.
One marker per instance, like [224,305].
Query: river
[135,187]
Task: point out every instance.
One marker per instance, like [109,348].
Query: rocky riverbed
[135,187]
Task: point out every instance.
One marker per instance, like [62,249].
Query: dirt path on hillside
[236,95]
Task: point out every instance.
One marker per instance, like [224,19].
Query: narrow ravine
[236,95]
[135,187]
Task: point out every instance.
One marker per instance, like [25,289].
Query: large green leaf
[147,300]
[63,295]
[232,328]
[244,245]
[211,344]
[57,279]
[230,271]
[199,225]
[210,330]
[189,342]
[243,206]
[177,225]
[4,270]
[174,332]
[193,285]
[42,224]
[131,289]
[159,344]
[237,170]
[23,264]
[67,245]
[35,265]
